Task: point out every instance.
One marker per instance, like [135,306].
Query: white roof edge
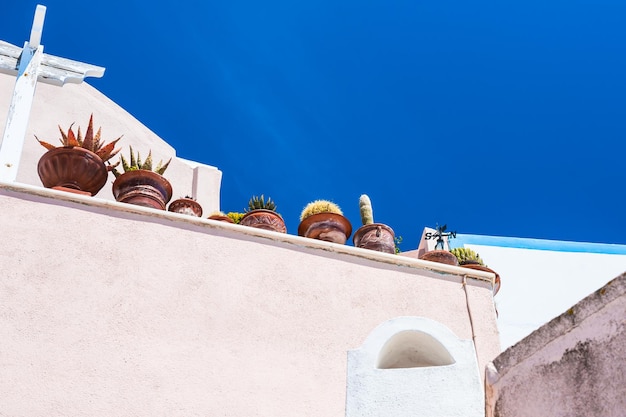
[539,244]
[195,164]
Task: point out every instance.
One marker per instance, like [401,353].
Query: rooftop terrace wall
[106,307]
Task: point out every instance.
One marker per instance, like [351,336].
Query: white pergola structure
[29,64]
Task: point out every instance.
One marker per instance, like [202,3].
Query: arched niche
[413,349]
[414,366]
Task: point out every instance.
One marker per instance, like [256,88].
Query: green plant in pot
[324,220]
[186,205]
[261,213]
[468,258]
[78,165]
[373,236]
[139,184]
[234,216]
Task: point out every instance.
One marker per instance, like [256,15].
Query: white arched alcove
[411,366]
[413,349]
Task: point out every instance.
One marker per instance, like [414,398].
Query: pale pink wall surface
[575,365]
[119,310]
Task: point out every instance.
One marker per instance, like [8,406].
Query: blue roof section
[538,244]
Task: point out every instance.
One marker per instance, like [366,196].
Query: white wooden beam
[29,64]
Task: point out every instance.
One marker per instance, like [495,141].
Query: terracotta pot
[72,168]
[186,206]
[471,265]
[142,188]
[375,236]
[221,218]
[441,256]
[330,227]
[264,219]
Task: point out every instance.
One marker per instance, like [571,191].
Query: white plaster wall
[74,103]
[446,388]
[538,285]
[573,366]
[111,309]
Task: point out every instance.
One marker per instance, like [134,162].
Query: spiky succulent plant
[90,142]
[319,206]
[135,163]
[365,207]
[257,203]
[467,255]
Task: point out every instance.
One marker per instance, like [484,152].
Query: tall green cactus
[365,206]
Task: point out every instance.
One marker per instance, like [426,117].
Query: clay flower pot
[477,266]
[264,219]
[72,168]
[330,227]
[441,256]
[221,218]
[142,188]
[375,236]
[187,206]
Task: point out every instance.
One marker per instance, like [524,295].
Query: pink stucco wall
[110,309]
[575,365]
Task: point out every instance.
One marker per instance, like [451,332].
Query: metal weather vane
[30,65]
[440,234]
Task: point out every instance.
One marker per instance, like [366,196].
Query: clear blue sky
[495,118]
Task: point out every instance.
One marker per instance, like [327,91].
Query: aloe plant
[135,163]
[319,206]
[260,203]
[90,142]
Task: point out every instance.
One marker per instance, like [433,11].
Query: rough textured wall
[573,366]
[119,310]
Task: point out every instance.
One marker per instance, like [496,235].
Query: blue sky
[495,118]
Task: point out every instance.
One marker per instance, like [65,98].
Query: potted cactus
[79,164]
[186,205]
[324,220]
[140,185]
[261,213]
[470,259]
[373,236]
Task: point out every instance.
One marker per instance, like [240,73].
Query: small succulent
[235,216]
[319,206]
[90,142]
[258,203]
[467,255]
[365,207]
[136,163]
[397,241]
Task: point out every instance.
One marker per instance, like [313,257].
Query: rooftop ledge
[15,189]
